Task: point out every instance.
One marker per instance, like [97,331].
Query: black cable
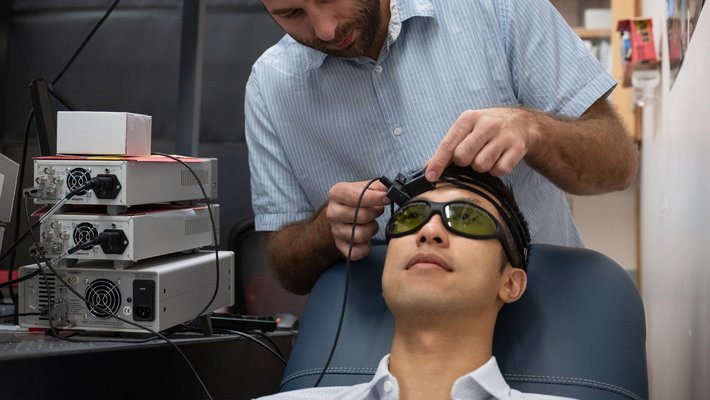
[214,231]
[347,282]
[271,342]
[18,209]
[255,340]
[276,352]
[19,315]
[274,346]
[112,315]
[273,349]
[19,279]
[53,331]
[50,293]
[65,102]
[90,340]
[108,312]
[85,42]
[17,242]
[101,237]
[62,100]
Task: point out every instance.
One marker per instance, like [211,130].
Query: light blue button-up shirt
[485,383]
[314,120]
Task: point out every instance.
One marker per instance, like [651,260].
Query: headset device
[457,216]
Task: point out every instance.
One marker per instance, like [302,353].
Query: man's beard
[366,22]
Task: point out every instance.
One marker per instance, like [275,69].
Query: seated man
[456,255]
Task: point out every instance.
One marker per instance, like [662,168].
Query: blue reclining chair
[578,331]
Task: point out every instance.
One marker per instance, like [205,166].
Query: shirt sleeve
[277,197]
[552,69]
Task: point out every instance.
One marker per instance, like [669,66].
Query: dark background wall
[132,64]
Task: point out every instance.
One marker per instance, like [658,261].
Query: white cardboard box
[597,18]
[103,133]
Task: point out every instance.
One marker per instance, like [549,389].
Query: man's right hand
[342,199]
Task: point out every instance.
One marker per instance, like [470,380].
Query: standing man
[363,88]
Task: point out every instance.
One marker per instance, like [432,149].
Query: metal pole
[190,77]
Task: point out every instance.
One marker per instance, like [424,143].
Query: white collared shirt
[485,383]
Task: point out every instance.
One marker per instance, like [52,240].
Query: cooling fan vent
[83,233]
[76,178]
[105,296]
[47,286]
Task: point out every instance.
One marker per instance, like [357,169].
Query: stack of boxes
[130,235]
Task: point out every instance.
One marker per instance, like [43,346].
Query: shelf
[593,34]
[573,12]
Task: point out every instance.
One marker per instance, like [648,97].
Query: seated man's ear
[515,281]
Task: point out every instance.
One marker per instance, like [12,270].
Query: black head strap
[404,188]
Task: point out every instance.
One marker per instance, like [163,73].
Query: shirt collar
[413,8]
[383,384]
[400,11]
[485,380]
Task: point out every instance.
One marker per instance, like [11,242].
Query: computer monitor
[44,117]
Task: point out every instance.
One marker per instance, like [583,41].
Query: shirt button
[397,131]
[388,386]
[378,69]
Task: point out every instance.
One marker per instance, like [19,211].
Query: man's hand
[591,154]
[489,140]
[342,199]
[301,251]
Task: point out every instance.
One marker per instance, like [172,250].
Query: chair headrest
[578,331]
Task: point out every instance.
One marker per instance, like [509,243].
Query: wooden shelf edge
[590,34]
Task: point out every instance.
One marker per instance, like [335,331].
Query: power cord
[271,342]
[19,314]
[100,308]
[257,341]
[19,279]
[100,239]
[86,40]
[17,243]
[214,231]
[113,315]
[347,282]
[54,92]
[92,183]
